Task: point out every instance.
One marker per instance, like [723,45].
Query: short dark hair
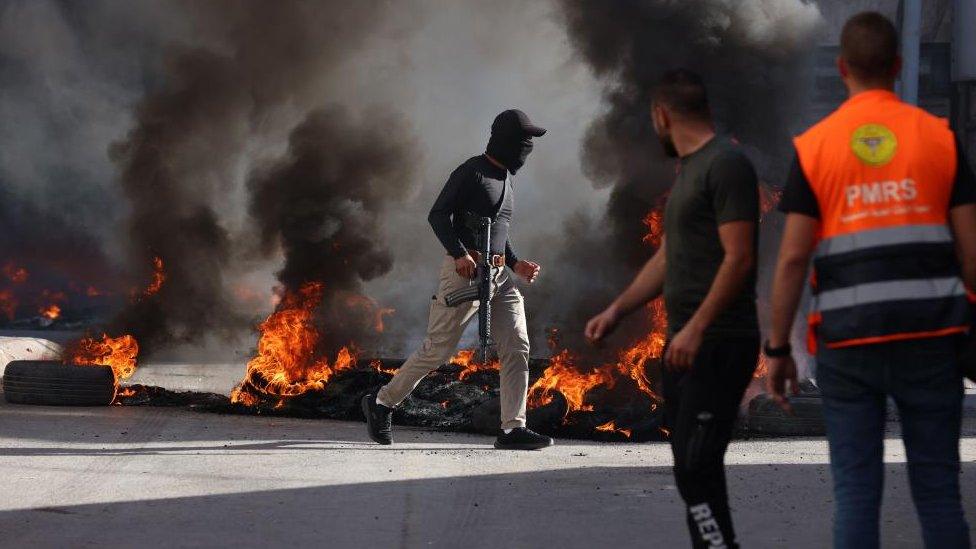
[683,91]
[869,46]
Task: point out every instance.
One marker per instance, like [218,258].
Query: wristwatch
[778,352]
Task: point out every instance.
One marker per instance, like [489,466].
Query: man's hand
[528,270]
[781,371]
[683,348]
[602,324]
[465,266]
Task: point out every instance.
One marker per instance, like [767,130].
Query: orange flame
[15,274]
[369,307]
[762,368]
[51,312]
[633,360]
[8,304]
[654,221]
[611,427]
[563,376]
[768,199]
[288,362]
[158,278]
[466,360]
[380,313]
[120,353]
[377,364]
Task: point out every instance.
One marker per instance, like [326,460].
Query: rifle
[480,291]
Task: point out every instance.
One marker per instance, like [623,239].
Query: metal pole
[964,71]
[963,40]
[911,32]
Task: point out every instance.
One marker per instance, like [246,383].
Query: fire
[654,221]
[369,307]
[8,304]
[762,368]
[158,278]
[51,312]
[563,376]
[611,427]
[15,274]
[288,362]
[120,353]
[380,313]
[377,365]
[8,301]
[768,198]
[633,361]
[466,360]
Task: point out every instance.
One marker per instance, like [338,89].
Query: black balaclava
[511,138]
[510,148]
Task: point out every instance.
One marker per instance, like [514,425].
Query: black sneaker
[522,439]
[379,420]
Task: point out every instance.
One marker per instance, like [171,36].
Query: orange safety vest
[885,267]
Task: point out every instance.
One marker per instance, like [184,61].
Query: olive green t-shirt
[715,185]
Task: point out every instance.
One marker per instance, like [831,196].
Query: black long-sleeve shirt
[476,186]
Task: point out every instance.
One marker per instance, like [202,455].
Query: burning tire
[51,383]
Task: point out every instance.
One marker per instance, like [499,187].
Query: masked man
[480,187]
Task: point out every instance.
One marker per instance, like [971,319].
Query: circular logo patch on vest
[874,144]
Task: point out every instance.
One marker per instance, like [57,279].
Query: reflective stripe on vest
[890,236]
[895,290]
[884,268]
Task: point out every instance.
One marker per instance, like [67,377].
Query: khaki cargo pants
[444,329]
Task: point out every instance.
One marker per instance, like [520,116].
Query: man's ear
[842,67]
[659,117]
[896,68]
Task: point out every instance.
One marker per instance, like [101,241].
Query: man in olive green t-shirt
[716,184]
[705,269]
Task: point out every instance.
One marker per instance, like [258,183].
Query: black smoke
[253,64]
[751,55]
[323,203]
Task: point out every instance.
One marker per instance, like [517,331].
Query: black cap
[514,121]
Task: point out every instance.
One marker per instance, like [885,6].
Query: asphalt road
[151,477]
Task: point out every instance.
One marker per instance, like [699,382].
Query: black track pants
[701,405]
